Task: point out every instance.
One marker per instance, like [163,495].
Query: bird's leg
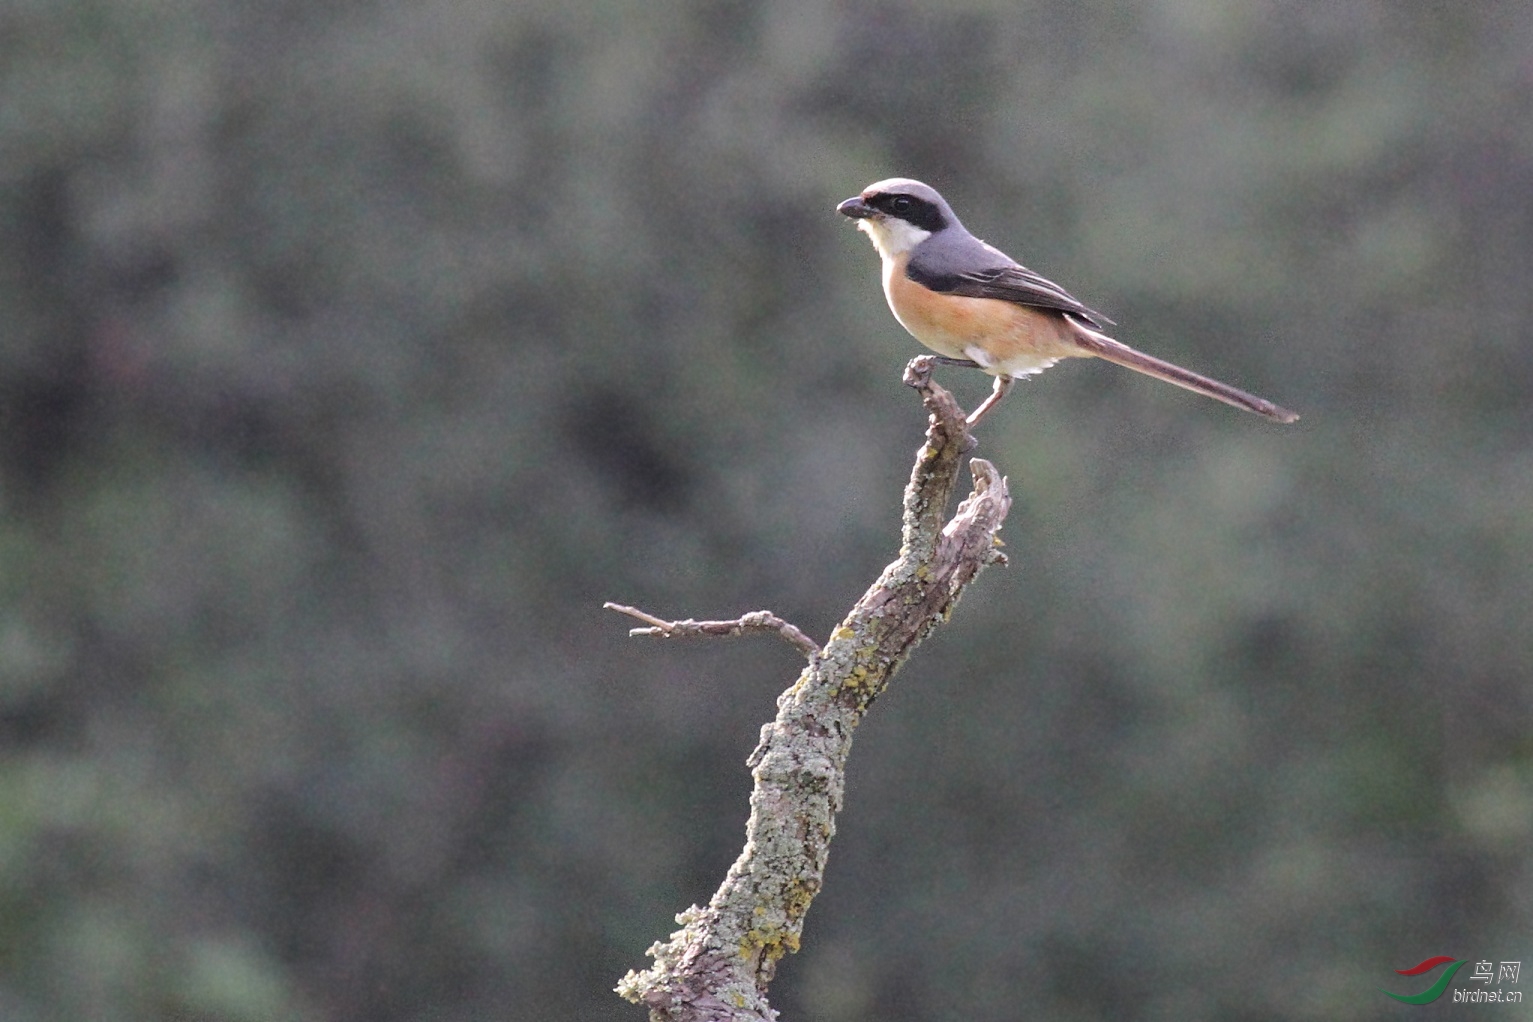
[1002,385]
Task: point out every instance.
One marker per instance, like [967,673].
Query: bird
[976,306]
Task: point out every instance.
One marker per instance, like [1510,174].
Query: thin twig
[755,621]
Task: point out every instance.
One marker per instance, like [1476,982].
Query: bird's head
[898,214]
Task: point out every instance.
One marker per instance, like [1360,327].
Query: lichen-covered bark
[718,965]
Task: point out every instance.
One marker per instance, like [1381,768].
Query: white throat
[892,237]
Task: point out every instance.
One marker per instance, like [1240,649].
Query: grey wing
[1014,283]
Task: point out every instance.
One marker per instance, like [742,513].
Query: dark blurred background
[352,353]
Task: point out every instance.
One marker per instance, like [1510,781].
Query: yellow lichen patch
[800,896]
[770,937]
[770,942]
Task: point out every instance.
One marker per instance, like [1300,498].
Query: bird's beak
[856,208]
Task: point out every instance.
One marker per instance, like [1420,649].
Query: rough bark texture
[718,965]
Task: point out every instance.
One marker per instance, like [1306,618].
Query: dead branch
[755,621]
[718,965]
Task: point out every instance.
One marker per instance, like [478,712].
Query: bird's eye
[900,204]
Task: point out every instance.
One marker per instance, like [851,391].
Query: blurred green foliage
[353,353]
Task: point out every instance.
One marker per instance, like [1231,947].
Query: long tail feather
[1105,347]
